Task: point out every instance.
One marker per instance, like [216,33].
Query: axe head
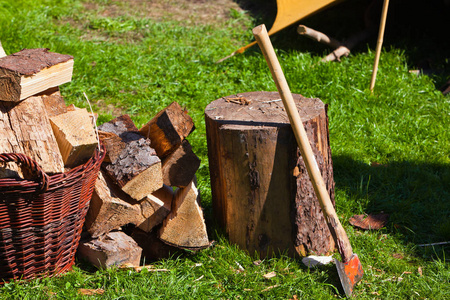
[350,273]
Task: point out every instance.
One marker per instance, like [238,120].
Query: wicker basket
[41,220]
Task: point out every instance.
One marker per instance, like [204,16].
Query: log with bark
[31,71]
[113,249]
[262,194]
[135,167]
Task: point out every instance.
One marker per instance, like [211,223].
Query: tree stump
[262,193]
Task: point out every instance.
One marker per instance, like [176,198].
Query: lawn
[390,149]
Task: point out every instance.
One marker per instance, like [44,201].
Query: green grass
[138,66]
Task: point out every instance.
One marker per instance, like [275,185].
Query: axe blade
[350,273]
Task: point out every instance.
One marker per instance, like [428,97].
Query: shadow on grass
[415,195]
[418,28]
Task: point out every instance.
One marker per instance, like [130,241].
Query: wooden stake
[2,52]
[379,44]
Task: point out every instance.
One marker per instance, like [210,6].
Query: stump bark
[262,193]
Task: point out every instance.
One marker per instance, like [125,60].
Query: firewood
[53,101]
[112,249]
[134,166]
[152,247]
[113,145]
[26,129]
[76,137]
[31,71]
[137,170]
[92,115]
[185,226]
[110,208]
[122,126]
[180,166]
[155,208]
[168,129]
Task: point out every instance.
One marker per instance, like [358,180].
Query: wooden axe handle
[338,232]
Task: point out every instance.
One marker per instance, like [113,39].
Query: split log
[134,166]
[185,226]
[155,208]
[168,129]
[53,101]
[92,115]
[31,71]
[262,194]
[153,248]
[112,249]
[108,210]
[113,145]
[179,167]
[122,126]
[26,129]
[76,137]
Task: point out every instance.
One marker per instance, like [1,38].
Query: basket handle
[30,164]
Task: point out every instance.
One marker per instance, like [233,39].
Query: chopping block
[261,191]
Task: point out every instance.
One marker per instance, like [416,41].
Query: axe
[350,270]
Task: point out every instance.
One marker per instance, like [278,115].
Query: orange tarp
[290,12]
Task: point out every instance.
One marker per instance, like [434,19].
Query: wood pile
[147,181]
[145,201]
[30,106]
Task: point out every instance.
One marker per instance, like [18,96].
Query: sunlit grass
[390,149]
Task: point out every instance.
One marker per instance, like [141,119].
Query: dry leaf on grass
[369,222]
[270,287]
[270,275]
[91,292]
[397,256]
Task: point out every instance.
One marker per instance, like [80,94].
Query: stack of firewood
[147,181]
[34,120]
[145,201]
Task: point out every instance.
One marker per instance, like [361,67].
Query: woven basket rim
[7,184]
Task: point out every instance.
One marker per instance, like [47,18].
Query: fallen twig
[434,244]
